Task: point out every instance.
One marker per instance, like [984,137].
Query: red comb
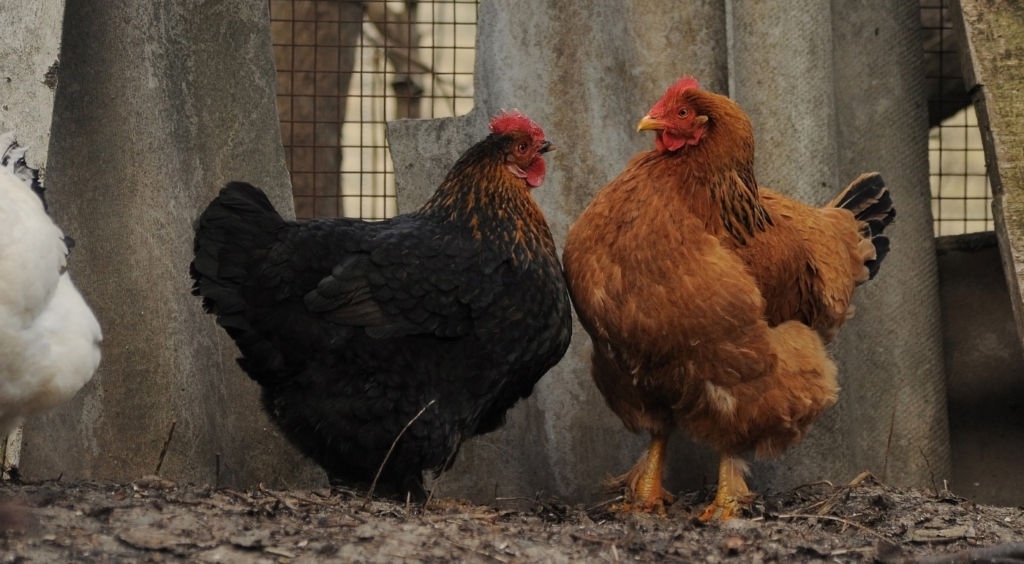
[506,122]
[681,85]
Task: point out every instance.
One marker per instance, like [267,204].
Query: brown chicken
[709,299]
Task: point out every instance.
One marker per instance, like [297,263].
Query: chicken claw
[732,494]
[655,503]
[643,482]
[720,511]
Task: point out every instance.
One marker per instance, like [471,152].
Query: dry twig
[474,550]
[455,448]
[888,445]
[373,485]
[836,519]
[167,443]
[811,485]
[589,538]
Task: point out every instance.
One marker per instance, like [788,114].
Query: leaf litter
[156,520]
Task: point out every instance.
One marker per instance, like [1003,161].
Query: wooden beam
[991,33]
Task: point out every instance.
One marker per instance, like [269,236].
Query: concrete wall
[891,415]
[984,370]
[158,104]
[29,59]
[833,91]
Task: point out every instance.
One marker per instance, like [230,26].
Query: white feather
[49,338]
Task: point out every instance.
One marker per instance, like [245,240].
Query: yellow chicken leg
[732,490]
[644,481]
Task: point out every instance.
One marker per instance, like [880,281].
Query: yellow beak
[649,123]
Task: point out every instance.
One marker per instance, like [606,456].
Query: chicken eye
[522,148]
[683,112]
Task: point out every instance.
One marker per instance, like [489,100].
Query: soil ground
[154,520]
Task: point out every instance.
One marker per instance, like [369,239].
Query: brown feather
[709,299]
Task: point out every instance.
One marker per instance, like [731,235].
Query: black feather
[352,327]
[869,200]
[881,244]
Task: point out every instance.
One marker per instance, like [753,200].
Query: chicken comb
[681,85]
[506,122]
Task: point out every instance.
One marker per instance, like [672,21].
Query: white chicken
[49,338]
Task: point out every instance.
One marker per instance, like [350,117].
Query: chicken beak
[546,146]
[649,123]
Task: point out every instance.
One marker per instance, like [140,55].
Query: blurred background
[345,68]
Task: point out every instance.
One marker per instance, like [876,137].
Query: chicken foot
[644,481]
[732,490]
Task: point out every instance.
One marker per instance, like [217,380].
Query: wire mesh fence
[961,193]
[344,68]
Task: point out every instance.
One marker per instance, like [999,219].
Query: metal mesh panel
[961,193]
[346,67]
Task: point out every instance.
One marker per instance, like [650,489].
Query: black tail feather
[881,243]
[869,200]
[237,222]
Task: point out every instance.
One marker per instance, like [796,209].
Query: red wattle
[535,174]
[666,141]
[672,142]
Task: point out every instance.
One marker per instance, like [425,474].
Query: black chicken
[352,328]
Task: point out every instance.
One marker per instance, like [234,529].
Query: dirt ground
[153,520]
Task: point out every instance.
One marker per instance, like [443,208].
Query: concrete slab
[891,417]
[158,104]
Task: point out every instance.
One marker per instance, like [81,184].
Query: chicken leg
[644,481]
[732,490]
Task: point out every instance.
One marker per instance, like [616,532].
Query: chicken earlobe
[533,175]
